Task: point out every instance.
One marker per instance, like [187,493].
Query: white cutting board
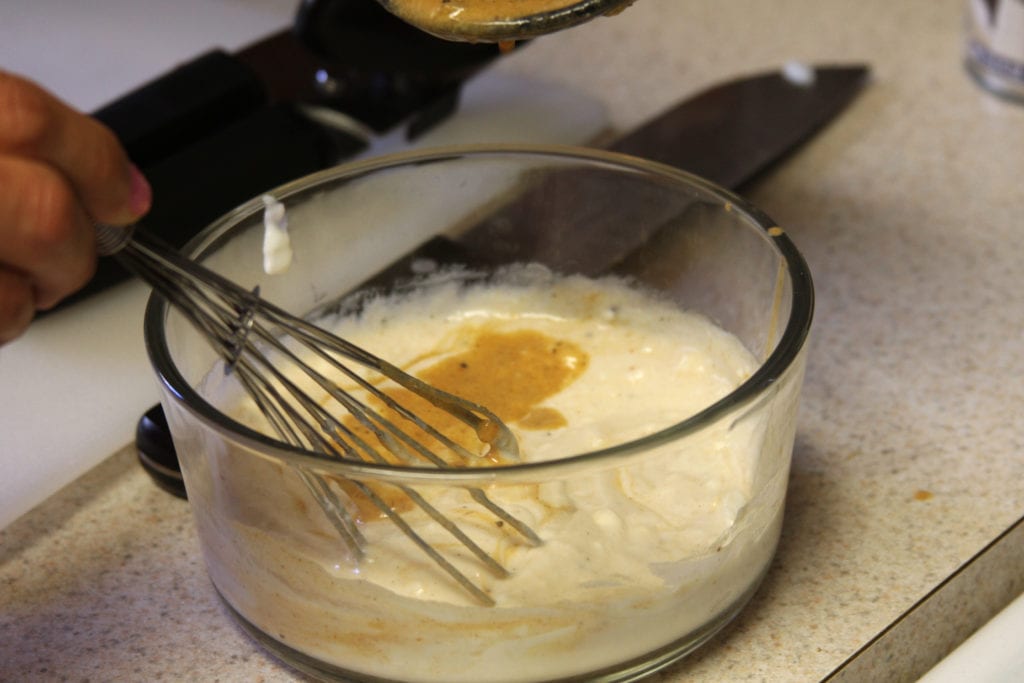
[992,655]
[73,387]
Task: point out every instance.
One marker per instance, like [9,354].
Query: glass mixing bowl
[620,587]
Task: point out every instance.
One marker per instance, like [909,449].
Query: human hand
[60,171]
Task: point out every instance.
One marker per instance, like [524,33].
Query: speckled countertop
[909,459]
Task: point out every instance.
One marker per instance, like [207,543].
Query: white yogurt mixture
[637,552]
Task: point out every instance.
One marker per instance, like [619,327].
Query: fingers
[17,305]
[48,239]
[37,125]
[59,172]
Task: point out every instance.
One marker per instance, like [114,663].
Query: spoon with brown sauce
[499,21]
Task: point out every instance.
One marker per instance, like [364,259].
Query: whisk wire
[252,337]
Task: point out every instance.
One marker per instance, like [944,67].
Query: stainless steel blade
[733,131]
[726,134]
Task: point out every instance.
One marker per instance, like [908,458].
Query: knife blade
[728,133]
[733,131]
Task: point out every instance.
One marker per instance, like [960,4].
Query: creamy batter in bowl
[655,325]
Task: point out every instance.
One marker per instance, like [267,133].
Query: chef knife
[729,134]
[222,128]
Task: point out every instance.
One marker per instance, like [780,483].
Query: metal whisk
[261,344]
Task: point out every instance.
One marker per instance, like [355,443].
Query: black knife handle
[188,103]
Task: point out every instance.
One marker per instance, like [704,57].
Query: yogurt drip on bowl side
[277,245]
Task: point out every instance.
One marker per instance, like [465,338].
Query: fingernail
[141,193]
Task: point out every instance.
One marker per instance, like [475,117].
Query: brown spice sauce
[510,372]
[450,16]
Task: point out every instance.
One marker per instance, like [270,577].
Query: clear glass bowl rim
[794,335]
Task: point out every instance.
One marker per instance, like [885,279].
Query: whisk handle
[111,239]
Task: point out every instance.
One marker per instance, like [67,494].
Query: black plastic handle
[188,103]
